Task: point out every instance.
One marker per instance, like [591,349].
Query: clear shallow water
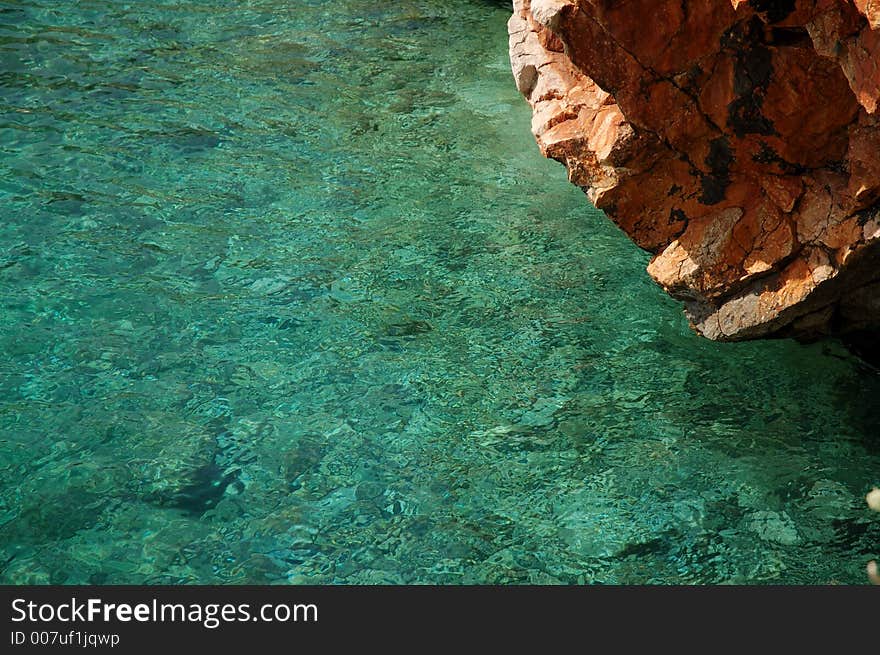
[287,295]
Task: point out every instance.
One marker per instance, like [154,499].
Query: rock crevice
[737,141]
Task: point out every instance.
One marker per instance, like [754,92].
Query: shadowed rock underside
[736,140]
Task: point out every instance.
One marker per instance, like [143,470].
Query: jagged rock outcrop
[737,140]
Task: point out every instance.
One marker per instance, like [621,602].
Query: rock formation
[737,140]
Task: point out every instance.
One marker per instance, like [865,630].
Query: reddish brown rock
[737,140]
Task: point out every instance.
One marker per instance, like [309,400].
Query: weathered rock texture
[737,140]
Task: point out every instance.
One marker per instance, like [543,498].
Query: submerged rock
[737,141]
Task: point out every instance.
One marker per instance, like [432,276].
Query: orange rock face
[737,140]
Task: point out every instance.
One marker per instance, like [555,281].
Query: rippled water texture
[289,295]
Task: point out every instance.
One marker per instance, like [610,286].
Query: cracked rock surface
[736,140]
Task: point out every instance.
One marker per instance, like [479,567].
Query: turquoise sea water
[288,295]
